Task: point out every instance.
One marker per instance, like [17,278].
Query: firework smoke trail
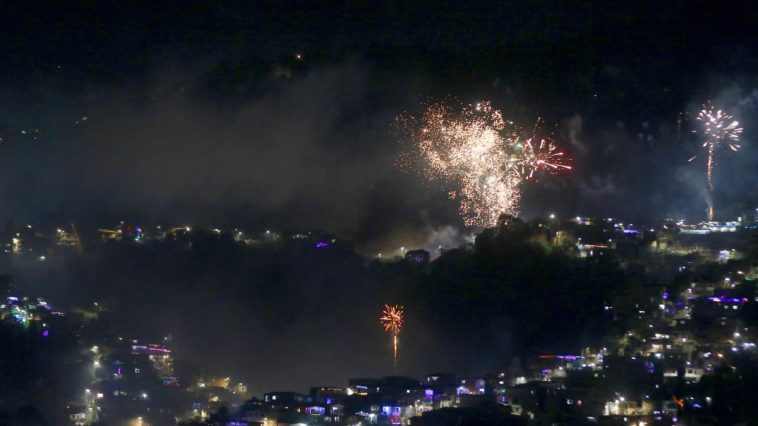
[392,320]
[467,151]
[719,128]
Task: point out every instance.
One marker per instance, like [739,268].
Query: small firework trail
[392,320]
[719,129]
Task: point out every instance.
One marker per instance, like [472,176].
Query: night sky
[203,112]
[280,115]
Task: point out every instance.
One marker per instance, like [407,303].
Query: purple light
[631,231]
[314,410]
[727,299]
[150,348]
[45,333]
[171,381]
[429,393]
[665,295]
[322,244]
[566,357]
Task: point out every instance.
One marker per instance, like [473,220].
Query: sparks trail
[719,128]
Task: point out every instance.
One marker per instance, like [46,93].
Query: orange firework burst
[392,320]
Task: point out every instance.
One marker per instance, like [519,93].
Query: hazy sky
[205,114]
[280,115]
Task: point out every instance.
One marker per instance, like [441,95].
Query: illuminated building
[284,399]
[327,394]
[364,387]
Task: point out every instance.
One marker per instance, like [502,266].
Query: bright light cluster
[481,157]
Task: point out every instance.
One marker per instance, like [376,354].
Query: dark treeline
[38,375]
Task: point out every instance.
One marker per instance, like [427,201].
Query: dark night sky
[199,112]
